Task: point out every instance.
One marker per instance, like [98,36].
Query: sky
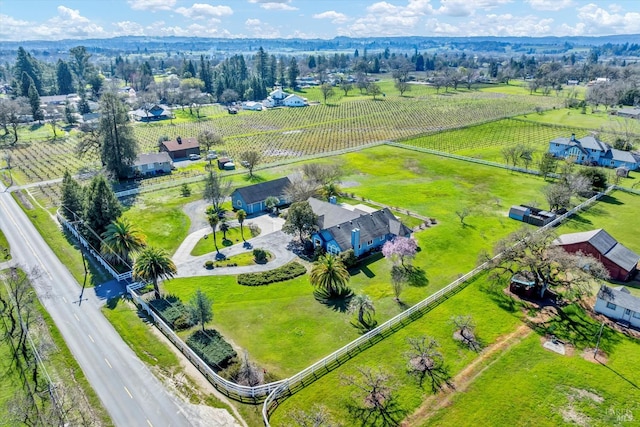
[80,19]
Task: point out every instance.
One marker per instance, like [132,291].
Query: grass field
[206,245]
[5,250]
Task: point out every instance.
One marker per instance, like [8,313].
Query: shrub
[254,230]
[280,274]
[185,190]
[172,311]
[260,255]
[349,258]
[212,348]
[208,264]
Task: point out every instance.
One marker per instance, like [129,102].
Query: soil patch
[588,355]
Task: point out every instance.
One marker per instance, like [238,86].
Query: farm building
[592,152]
[294,100]
[181,148]
[251,105]
[341,229]
[152,164]
[531,215]
[618,304]
[152,114]
[226,163]
[622,263]
[631,113]
[252,198]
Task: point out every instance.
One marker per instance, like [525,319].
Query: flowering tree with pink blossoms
[400,250]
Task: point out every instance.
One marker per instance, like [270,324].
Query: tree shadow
[386,416]
[255,178]
[227,242]
[337,302]
[416,277]
[366,327]
[610,200]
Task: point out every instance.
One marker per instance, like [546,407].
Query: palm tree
[362,305]
[329,274]
[241,215]
[270,203]
[214,219]
[330,189]
[120,240]
[224,227]
[153,264]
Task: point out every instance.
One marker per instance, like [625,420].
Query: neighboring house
[294,100]
[181,148]
[572,82]
[531,215]
[251,198]
[341,229]
[618,304]
[631,113]
[152,114]
[251,105]
[622,263]
[277,97]
[54,99]
[152,164]
[128,91]
[590,151]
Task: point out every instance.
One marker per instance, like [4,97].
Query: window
[370,242]
[239,203]
[636,315]
[611,305]
[627,312]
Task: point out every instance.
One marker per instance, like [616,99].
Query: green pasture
[388,355]
[572,117]
[529,385]
[206,245]
[5,250]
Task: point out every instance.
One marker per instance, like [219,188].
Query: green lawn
[388,355]
[532,386]
[5,250]
[206,245]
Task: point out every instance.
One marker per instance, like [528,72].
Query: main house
[593,152]
[152,113]
[622,263]
[619,305]
[279,98]
[252,198]
[341,229]
[181,148]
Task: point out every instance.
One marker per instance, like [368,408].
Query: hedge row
[211,348]
[172,311]
[280,274]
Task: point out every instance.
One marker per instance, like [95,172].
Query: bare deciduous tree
[424,359]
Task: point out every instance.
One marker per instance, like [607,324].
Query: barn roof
[604,243]
[181,144]
[259,192]
[619,296]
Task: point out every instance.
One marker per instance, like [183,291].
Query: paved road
[130,393]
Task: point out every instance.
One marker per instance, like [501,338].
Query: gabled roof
[329,214]
[604,243]
[621,156]
[619,296]
[151,158]
[181,144]
[588,142]
[259,192]
[373,225]
[156,110]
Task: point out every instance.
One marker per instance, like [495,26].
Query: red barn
[621,262]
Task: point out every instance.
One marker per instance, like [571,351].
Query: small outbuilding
[252,198]
[618,304]
[531,215]
[181,148]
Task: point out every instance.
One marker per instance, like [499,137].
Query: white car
[194,156]
[212,156]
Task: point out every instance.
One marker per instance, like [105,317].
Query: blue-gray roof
[259,192]
[371,225]
[619,296]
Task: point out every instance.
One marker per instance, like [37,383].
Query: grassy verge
[206,245]
[5,250]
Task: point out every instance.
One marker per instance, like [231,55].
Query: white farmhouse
[619,305]
[294,100]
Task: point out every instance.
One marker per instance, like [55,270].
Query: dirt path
[466,377]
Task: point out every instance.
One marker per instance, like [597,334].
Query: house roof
[329,214]
[183,144]
[592,143]
[157,110]
[373,225]
[150,158]
[619,296]
[621,156]
[604,243]
[259,192]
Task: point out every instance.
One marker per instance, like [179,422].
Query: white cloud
[553,5]
[261,29]
[152,5]
[386,19]
[203,11]
[335,17]
[598,21]
[128,28]
[467,7]
[274,4]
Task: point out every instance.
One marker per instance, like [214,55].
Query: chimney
[355,241]
[179,139]
[573,137]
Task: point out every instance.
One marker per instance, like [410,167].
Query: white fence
[231,389]
[71,228]
[335,359]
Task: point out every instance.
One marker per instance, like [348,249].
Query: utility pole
[595,352]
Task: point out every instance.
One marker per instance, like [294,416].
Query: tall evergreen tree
[293,72]
[64,79]
[118,148]
[101,207]
[262,64]
[34,99]
[80,65]
[72,198]
[25,63]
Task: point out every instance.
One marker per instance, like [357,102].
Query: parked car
[194,156]
[212,155]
